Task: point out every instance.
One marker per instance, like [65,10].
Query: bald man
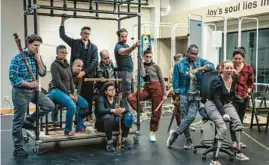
[75,69]
[105,70]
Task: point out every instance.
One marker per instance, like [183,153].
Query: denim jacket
[181,80]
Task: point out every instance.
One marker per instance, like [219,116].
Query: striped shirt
[18,71]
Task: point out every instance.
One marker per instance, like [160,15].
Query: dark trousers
[241,110]
[87,94]
[21,98]
[109,123]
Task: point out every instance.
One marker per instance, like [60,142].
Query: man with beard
[186,85]
[85,50]
[124,61]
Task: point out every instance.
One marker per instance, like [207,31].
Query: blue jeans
[59,97]
[189,109]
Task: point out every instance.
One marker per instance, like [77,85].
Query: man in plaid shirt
[24,91]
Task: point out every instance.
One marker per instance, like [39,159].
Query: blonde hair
[221,66]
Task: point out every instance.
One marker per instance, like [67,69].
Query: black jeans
[241,110]
[109,123]
[87,94]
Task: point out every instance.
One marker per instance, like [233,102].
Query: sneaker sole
[167,142]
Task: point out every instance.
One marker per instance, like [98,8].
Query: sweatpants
[217,118]
[153,91]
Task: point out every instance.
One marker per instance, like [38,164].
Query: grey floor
[143,153]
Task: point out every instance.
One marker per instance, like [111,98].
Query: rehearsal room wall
[180,11]
[103,34]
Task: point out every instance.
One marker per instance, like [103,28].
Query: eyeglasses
[86,33]
[63,52]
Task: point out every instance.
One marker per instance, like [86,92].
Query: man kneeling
[107,114]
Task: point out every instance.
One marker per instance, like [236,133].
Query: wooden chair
[263,96]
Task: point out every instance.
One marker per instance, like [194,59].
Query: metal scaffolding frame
[31,7]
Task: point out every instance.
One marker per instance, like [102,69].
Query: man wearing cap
[108,110]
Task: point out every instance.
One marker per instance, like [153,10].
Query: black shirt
[220,95]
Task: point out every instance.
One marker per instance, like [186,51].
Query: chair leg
[41,124]
[46,125]
[61,117]
[201,146]
[211,149]
[252,118]
[257,121]
[267,121]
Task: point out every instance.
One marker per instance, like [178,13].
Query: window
[249,42]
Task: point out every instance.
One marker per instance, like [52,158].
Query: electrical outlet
[6,97]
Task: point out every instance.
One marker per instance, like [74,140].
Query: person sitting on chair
[107,112]
[75,69]
[219,107]
[61,89]
[154,89]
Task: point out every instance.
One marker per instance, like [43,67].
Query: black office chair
[210,145]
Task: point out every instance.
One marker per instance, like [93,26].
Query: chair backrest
[260,96]
[206,79]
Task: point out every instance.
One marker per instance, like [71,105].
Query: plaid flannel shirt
[245,80]
[18,71]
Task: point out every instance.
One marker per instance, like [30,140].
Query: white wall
[103,35]
[10,23]
[185,5]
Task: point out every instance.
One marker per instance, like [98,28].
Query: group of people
[68,87]
[235,81]
[112,99]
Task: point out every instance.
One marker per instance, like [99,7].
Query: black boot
[20,152]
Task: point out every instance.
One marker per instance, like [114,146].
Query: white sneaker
[241,156]
[192,128]
[152,137]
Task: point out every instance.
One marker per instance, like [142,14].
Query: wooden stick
[101,79]
[119,135]
[162,101]
[159,105]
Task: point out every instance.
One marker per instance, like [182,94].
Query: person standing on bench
[24,88]
[154,89]
[186,85]
[61,90]
[85,50]
[107,120]
[105,69]
[125,64]
[220,107]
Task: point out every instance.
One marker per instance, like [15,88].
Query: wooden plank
[8,111]
[58,135]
